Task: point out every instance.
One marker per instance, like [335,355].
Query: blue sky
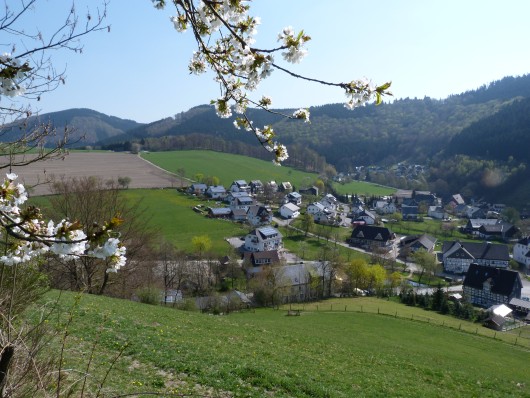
[426,48]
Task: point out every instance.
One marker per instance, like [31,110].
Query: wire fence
[518,332]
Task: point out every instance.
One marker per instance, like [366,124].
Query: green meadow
[170,214]
[227,167]
[324,352]
[363,188]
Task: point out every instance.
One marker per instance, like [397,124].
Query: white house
[521,251]
[315,207]
[263,239]
[367,216]
[330,202]
[436,212]
[385,207]
[289,210]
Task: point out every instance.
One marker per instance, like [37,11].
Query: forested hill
[501,136]
[412,130]
[86,126]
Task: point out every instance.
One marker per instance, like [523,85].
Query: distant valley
[462,140]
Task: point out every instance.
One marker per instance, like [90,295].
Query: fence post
[515,341]
[317,307]
[460,327]
[344,308]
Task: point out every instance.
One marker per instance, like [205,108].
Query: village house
[289,211]
[475,212]
[486,286]
[296,282]
[436,212]
[411,244]
[259,215]
[521,251]
[330,202]
[325,217]
[385,207]
[458,256]
[256,187]
[219,212]
[315,208]
[256,259]
[426,197]
[263,239]
[366,217]
[402,194]
[409,212]
[285,186]
[216,192]
[273,186]
[456,200]
[293,197]
[197,189]
[238,214]
[369,236]
[235,199]
[240,186]
[313,191]
[490,228]
[242,203]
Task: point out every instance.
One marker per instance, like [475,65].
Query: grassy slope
[226,167]
[318,354]
[363,188]
[170,212]
[230,167]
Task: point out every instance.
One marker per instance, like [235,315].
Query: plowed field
[107,165]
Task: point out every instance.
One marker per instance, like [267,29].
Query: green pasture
[228,167]
[362,188]
[312,248]
[324,352]
[428,226]
[171,214]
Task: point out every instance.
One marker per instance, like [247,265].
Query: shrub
[148,295]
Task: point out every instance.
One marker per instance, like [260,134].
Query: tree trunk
[5,359]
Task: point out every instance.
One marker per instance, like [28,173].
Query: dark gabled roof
[499,228]
[271,254]
[239,212]
[371,232]
[524,241]
[502,281]
[482,250]
[406,209]
[258,211]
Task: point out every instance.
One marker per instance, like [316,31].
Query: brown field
[107,165]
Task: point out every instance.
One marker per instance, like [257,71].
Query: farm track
[106,165]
